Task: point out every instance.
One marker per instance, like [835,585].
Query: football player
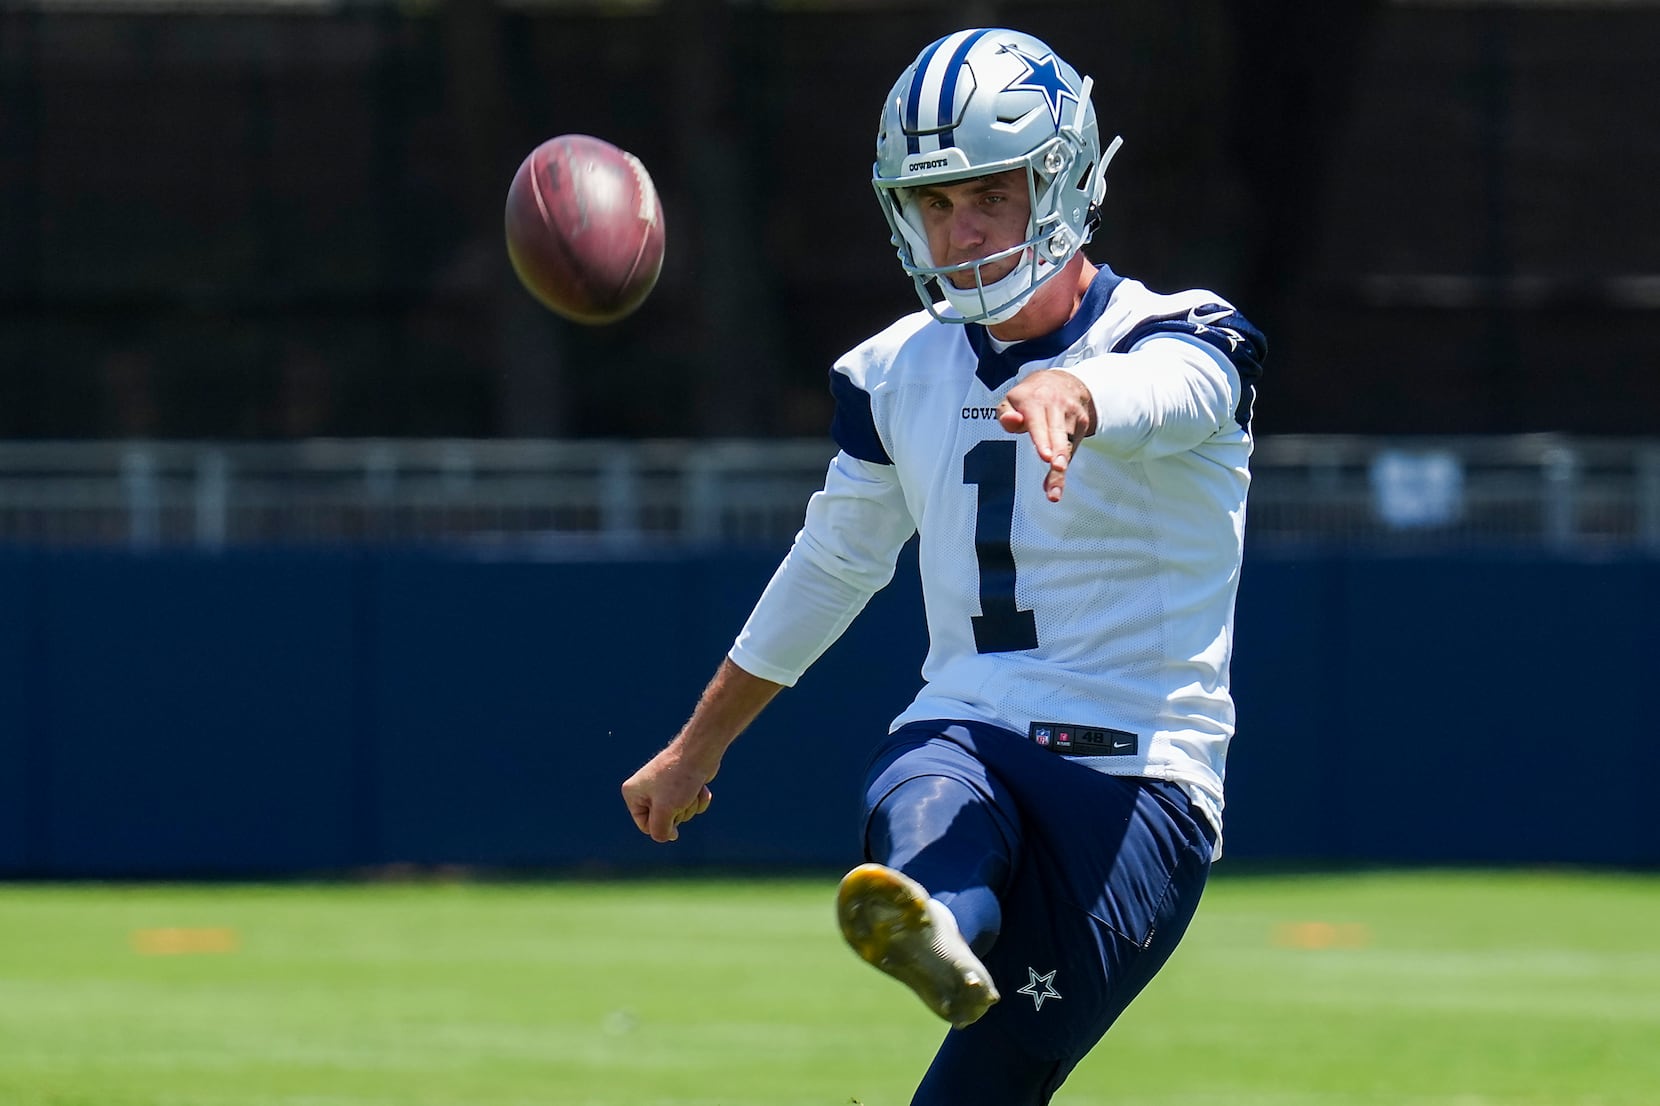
[1072,449]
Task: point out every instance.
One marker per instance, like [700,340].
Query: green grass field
[1440,989]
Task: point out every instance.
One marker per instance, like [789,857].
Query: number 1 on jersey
[1001,626]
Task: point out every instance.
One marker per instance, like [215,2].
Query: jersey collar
[996,368]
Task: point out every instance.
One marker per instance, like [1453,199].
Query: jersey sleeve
[844,553]
[1172,383]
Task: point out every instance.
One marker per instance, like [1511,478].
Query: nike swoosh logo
[1197,319]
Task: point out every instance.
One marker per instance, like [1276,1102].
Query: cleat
[889,920]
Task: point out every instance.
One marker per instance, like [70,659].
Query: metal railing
[1540,490]
[596,495]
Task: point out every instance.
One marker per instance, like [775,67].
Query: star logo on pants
[1040,988]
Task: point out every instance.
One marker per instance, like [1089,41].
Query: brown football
[585,228]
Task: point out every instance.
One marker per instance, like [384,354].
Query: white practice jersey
[1106,617]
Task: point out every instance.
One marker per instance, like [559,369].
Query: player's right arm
[673,787]
[844,553]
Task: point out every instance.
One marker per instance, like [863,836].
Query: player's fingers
[704,798]
[1009,418]
[656,822]
[681,817]
[639,807]
[1059,434]
[1046,437]
[662,822]
[1054,484]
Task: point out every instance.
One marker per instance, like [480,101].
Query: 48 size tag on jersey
[1084,741]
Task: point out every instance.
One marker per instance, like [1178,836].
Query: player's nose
[968,226]
[967,237]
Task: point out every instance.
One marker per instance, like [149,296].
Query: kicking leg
[890,921]
[941,832]
[920,915]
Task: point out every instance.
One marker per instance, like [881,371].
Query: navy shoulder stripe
[1222,328]
[853,428]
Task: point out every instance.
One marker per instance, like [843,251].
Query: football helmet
[979,102]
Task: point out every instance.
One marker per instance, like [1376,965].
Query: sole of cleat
[886,919]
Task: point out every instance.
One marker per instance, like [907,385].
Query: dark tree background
[264,223]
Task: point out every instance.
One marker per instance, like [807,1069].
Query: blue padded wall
[259,713]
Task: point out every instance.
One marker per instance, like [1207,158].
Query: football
[585,228]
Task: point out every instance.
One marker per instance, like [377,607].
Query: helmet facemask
[1049,243]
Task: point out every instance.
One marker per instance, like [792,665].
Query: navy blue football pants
[1073,887]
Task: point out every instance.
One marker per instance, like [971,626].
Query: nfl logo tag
[1041,735]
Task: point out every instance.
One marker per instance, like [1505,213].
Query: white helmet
[979,102]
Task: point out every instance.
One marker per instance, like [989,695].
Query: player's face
[971,219]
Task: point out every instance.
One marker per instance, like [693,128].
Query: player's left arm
[1174,383]
[1162,398]
[1167,386]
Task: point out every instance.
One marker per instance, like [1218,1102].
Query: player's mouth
[990,271]
[989,274]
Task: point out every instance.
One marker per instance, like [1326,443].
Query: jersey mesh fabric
[1112,608]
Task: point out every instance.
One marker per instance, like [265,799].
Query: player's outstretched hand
[1056,409]
[666,792]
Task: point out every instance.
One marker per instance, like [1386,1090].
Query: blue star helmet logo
[1042,75]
